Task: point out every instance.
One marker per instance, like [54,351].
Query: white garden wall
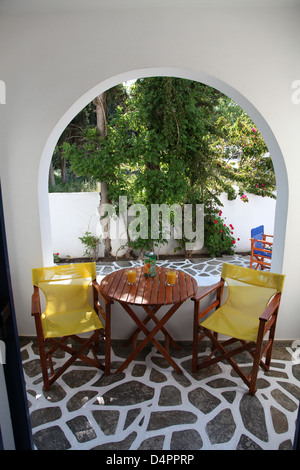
[72,214]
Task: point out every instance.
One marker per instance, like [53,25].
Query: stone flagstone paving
[151,407]
[205,270]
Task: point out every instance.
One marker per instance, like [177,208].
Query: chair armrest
[270,309]
[264,242]
[96,285]
[266,248]
[207,291]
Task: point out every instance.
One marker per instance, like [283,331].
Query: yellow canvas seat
[68,313]
[247,315]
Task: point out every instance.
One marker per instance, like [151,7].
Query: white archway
[264,128]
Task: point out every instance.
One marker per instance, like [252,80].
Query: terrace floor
[151,407]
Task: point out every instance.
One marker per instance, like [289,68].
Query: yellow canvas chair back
[249,293]
[68,310]
[250,277]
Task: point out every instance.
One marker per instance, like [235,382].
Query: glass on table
[171,277]
[131,276]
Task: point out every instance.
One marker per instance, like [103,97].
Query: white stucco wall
[56,56]
[72,214]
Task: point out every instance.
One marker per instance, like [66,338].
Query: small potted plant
[91,243]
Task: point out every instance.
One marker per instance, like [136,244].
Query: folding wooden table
[150,293]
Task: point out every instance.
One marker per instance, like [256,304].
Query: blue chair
[261,248]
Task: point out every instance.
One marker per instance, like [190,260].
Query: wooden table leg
[133,337]
[151,311]
[150,337]
[168,337]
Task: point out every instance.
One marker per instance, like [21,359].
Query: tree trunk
[100,103]
[51,175]
[63,166]
[105,222]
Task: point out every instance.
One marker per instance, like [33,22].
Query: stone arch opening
[242,101]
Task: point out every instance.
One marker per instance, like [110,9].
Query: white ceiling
[38,6]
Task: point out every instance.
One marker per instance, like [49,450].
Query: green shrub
[218,236]
[91,245]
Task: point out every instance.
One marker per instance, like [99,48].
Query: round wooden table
[151,293]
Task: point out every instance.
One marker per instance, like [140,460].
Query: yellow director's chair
[68,314]
[248,314]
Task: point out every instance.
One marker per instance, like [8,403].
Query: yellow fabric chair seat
[70,323]
[233,323]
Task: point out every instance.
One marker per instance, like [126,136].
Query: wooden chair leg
[43,360]
[195,337]
[250,380]
[271,340]
[254,371]
[107,338]
[106,315]
[269,354]
[251,261]
[257,357]
[42,351]
[85,345]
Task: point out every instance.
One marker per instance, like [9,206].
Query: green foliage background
[170,140]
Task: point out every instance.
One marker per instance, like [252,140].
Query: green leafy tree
[239,165]
[171,119]
[95,155]
[174,141]
[68,180]
[240,156]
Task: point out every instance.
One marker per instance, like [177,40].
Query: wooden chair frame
[267,324]
[263,261]
[90,343]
